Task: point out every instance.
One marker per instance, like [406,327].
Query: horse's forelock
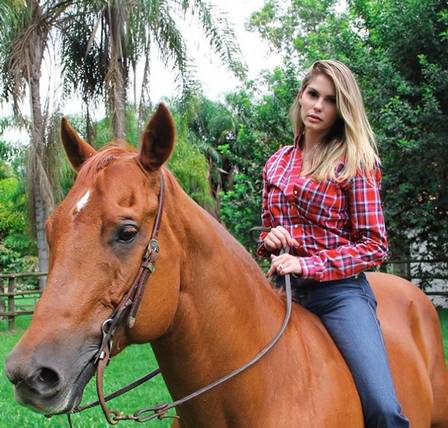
[102,159]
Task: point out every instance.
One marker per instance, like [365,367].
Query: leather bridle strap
[123,390]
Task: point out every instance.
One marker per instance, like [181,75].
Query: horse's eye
[127,233]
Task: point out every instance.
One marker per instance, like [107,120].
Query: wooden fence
[10,307]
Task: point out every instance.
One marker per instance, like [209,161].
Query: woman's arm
[370,246]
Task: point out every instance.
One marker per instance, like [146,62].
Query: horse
[206,309]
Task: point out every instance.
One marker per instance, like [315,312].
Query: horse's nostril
[45,381]
[47,377]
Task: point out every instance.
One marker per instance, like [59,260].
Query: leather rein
[126,311]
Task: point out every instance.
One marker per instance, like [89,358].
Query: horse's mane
[102,159]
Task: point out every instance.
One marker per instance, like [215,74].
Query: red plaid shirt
[339,226]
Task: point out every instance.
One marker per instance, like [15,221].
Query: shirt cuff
[261,250]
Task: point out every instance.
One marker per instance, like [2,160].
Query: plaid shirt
[339,226]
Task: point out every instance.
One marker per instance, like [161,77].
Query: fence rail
[8,294]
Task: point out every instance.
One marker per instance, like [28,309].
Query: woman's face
[318,104]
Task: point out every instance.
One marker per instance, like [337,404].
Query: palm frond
[84,61]
[172,47]
[220,33]
[24,41]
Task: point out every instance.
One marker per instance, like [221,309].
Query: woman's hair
[351,138]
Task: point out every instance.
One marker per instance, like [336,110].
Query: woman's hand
[278,238]
[284,264]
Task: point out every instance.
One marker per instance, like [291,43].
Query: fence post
[2,292]
[11,308]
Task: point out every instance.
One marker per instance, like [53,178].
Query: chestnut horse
[207,309]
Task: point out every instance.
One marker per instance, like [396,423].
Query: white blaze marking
[83,201]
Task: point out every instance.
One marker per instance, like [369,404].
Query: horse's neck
[226,313]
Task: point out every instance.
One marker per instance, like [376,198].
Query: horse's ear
[158,139]
[78,150]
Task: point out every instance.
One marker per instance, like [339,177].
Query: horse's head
[97,237]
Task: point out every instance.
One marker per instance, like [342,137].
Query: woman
[321,198]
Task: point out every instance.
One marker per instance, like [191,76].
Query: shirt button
[296,226]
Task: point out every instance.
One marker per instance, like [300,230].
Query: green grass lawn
[133,362]
[443,314]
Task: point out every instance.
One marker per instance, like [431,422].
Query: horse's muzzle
[45,386]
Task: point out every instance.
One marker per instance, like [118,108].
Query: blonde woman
[321,197]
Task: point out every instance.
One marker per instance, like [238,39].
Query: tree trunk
[42,248]
[89,125]
[40,201]
[119,69]
[144,106]
[119,105]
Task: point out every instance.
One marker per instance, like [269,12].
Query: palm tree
[26,29]
[109,37]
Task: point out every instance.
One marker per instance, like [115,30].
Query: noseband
[125,314]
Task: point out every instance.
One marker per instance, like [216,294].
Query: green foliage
[284,23]
[210,127]
[132,131]
[5,168]
[16,248]
[240,208]
[190,167]
[263,127]
[103,132]
[443,316]
[15,244]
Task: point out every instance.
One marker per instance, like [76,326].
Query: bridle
[127,311]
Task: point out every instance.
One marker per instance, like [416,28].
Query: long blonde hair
[351,139]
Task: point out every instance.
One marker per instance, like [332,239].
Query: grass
[443,315]
[133,362]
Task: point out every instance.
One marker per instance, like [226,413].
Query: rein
[127,310]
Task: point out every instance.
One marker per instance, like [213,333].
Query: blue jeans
[347,308]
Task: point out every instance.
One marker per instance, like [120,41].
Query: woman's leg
[348,310]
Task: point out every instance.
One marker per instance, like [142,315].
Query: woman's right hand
[279,238]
